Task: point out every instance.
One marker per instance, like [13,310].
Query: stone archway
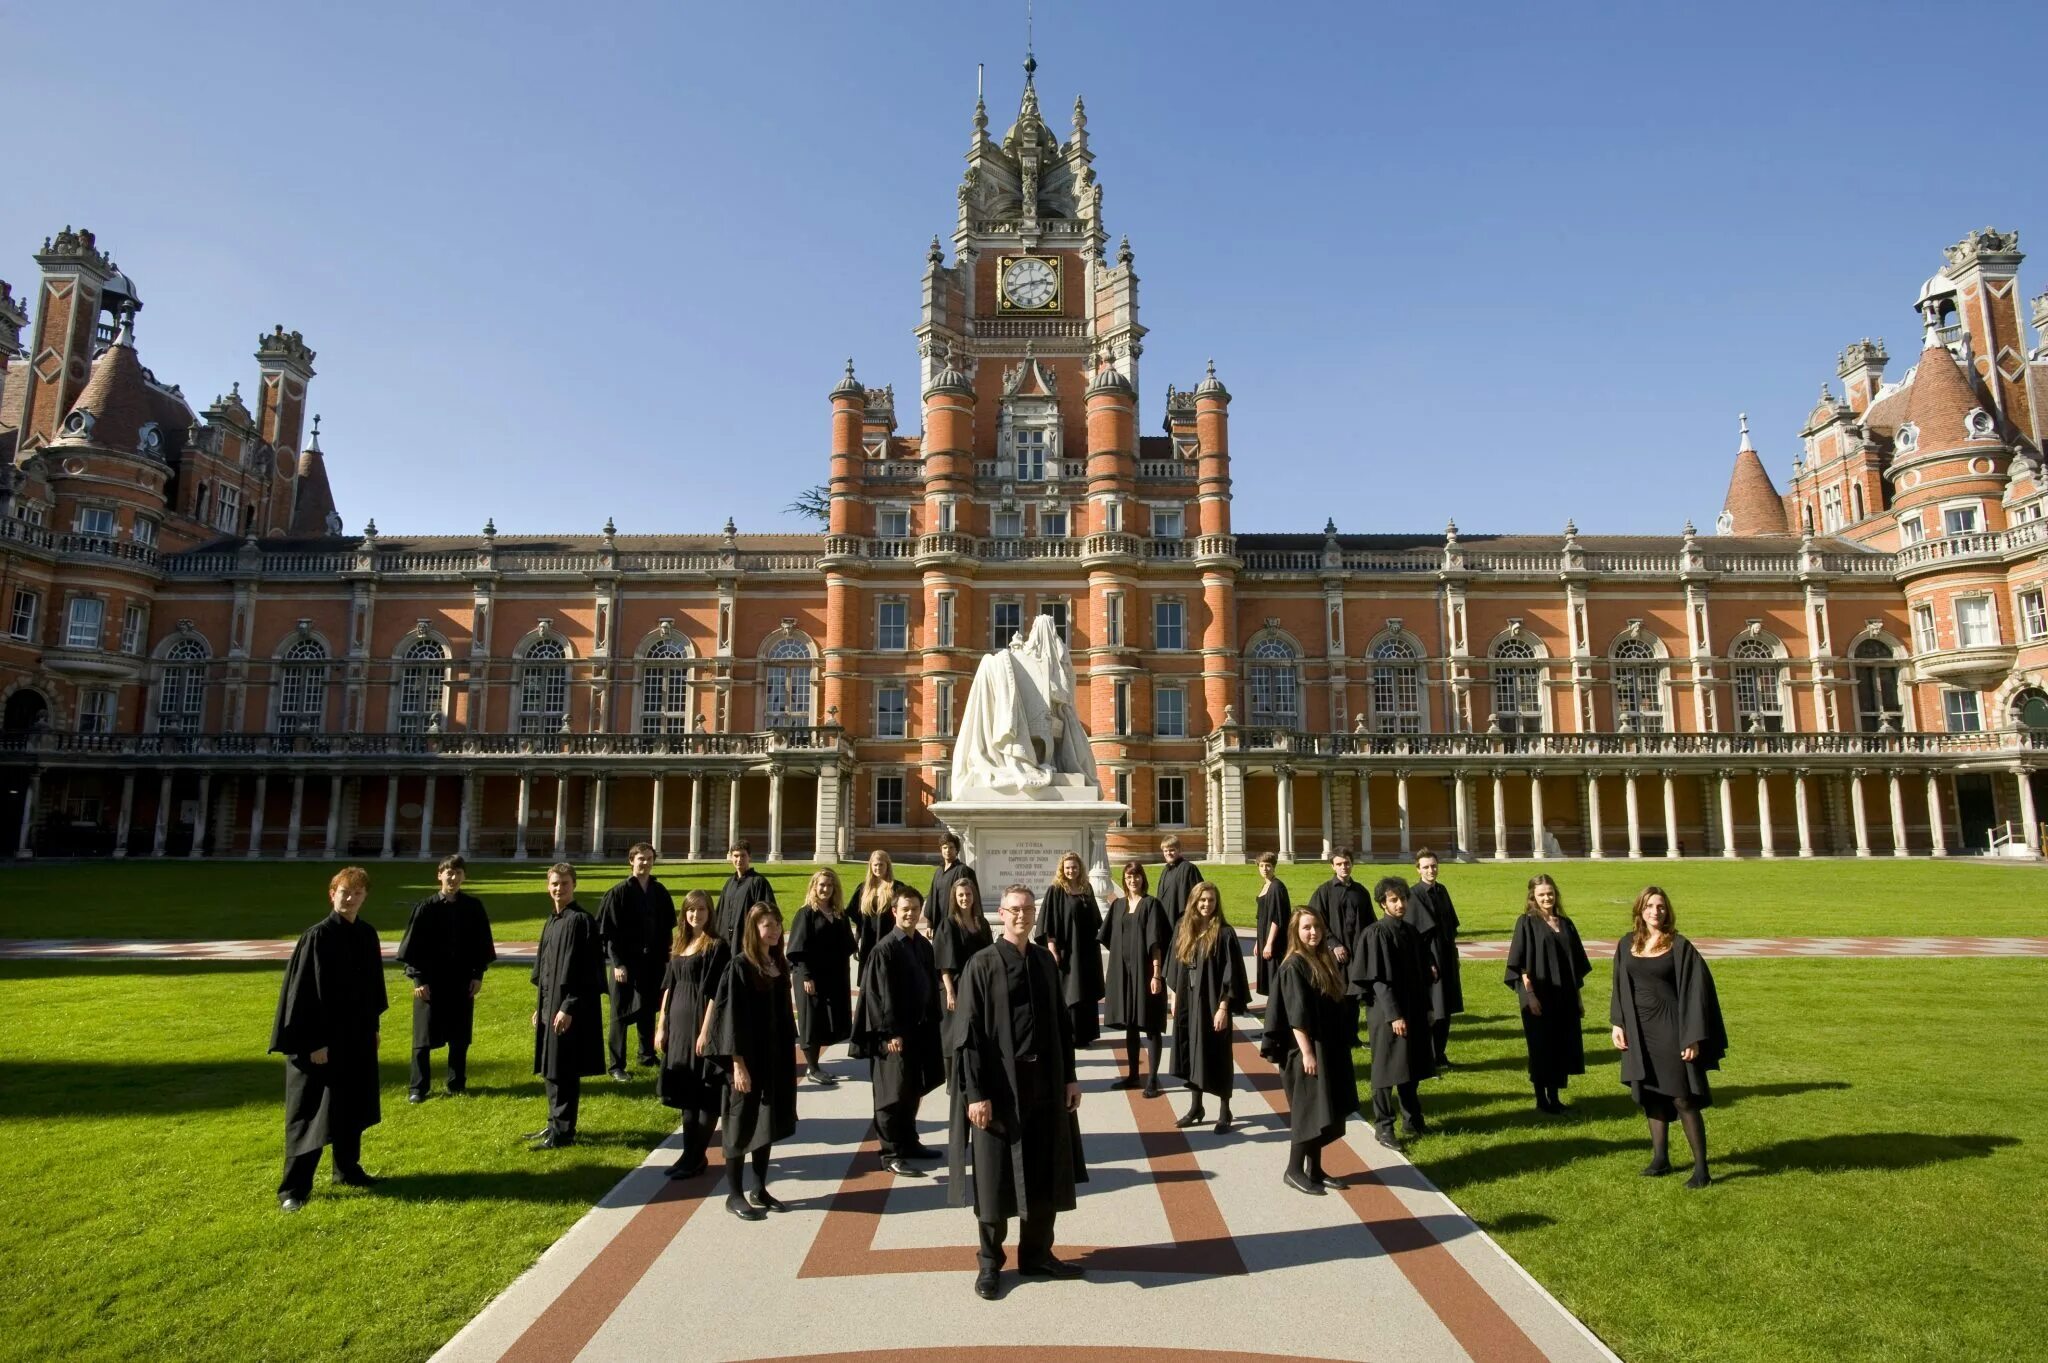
[27,711]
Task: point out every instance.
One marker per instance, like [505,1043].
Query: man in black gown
[445,950]
[1016,1142]
[1177,881]
[636,921]
[1434,916]
[326,1029]
[1394,971]
[743,889]
[899,987]
[1345,907]
[568,972]
[939,902]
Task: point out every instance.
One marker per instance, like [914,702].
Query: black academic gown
[938,903]
[873,916]
[1436,918]
[446,947]
[332,999]
[1557,966]
[1275,908]
[952,948]
[636,926]
[1346,907]
[820,953]
[739,894]
[1136,935]
[1391,970]
[689,1082]
[1201,1054]
[1074,922]
[1318,1104]
[1698,1022]
[899,997]
[1028,1158]
[568,972]
[755,1023]
[1176,882]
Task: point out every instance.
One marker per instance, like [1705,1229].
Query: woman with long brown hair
[873,909]
[1136,932]
[753,1028]
[959,929]
[1546,966]
[688,1082]
[1667,1025]
[1205,982]
[1070,927]
[1310,1030]
[821,948]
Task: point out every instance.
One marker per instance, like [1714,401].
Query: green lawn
[1714,898]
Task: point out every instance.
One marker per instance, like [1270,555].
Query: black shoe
[1195,1117]
[1656,1169]
[1385,1136]
[895,1164]
[1151,1089]
[1443,1062]
[822,1079]
[763,1200]
[1699,1179]
[649,1061]
[1414,1129]
[1224,1124]
[554,1140]
[357,1177]
[1128,1082]
[1049,1267]
[1301,1183]
[415,1096]
[985,1285]
[923,1152]
[743,1209]
[537,1135]
[621,1074]
[291,1203]
[457,1087]
[1330,1181]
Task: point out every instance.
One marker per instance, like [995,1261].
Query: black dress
[820,950]
[1556,965]
[1201,1054]
[689,1082]
[1275,907]
[1073,923]
[1664,1004]
[1136,935]
[952,948]
[755,1024]
[1318,1104]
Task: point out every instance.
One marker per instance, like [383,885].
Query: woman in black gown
[689,1083]
[1070,926]
[959,930]
[1136,932]
[821,948]
[1311,1028]
[1667,1025]
[1205,979]
[753,1028]
[873,910]
[1546,966]
[1269,936]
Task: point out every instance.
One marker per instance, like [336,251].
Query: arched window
[543,687]
[1517,687]
[1273,680]
[1759,699]
[2030,709]
[1638,687]
[1396,688]
[302,688]
[422,684]
[665,688]
[789,673]
[181,692]
[1876,669]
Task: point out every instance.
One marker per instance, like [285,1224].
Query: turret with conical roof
[1752,506]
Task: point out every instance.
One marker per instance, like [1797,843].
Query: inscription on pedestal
[1021,859]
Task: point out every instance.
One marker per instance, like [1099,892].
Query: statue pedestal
[1019,838]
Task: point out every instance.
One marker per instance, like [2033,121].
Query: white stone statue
[1020,729]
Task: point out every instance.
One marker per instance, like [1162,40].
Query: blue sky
[1508,263]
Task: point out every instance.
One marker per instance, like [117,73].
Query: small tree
[814,503]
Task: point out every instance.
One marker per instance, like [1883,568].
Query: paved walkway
[1715,948]
[1193,1248]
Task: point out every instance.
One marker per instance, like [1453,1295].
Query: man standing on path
[745,888]
[1345,906]
[1177,881]
[636,921]
[1433,915]
[951,868]
[445,950]
[1016,1141]
[568,972]
[327,1028]
[899,1027]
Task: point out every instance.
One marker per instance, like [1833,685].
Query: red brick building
[197,661]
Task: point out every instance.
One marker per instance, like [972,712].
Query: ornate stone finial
[1330,528]
[370,529]
[1571,529]
[1451,531]
[1689,532]
[848,386]
[313,443]
[610,531]
[286,346]
[730,528]
[1745,445]
[1124,256]
[936,253]
[1080,120]
[490,528]
[235,390]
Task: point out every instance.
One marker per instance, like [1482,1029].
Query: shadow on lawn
[1859,1150]
[98,1088]
[1606,1105]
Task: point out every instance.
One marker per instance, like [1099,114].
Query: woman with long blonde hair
[1070,927]
[1205,984]
[821,949]
[873,910]
[689,1083]
[1310,1030]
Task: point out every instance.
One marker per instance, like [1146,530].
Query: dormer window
[1908,438]
[78,423]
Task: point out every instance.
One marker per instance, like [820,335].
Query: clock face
[1030,283]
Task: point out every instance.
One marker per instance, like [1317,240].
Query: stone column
[1898,794]
[295,826]
[334,788]
[1593,847]
[1765,839]
[1801,812]
[24,841]
[126,821]
[775,814]
[1862,816]
[1283,787]
[256,814]
[163,815]
[464,816]
[696,816]
[525,813]
[1728,848]
[660,816]
[1500,816]
[1365,816]
[600,788]
[427,816]
[1671,851]
[1536,828]
[1936,827]
[199,817]
[732,813]
[390,817]
[561,852]
[1461,813]
[2029,823]
[1324,779]
[1632,803]
[1401,813]
[827,848]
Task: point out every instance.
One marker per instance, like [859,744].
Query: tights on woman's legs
[1131,1053]
[761,1168]
[811,1059]
[1695,1123]
[1298,1156]
[1660,1147]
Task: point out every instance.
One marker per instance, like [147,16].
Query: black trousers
[896,1127]
[643,1022]
[1440,1036]
[298,1169]
[423,1067]
[1383,1105]
[1034,1239]
[563,1096]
